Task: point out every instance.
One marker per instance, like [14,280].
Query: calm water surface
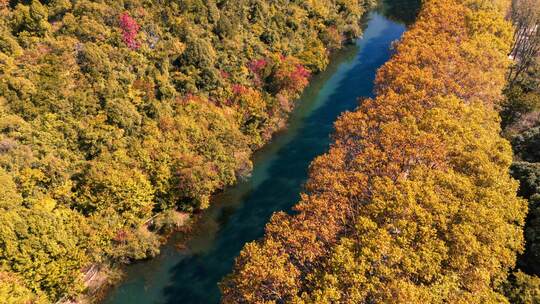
[239,214]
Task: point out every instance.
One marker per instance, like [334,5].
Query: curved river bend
[239,214]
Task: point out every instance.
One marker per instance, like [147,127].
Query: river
[238,215]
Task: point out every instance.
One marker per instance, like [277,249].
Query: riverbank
[99,279]
[162,225]
[238,214]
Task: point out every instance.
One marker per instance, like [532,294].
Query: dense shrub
[528,175]
[526,145]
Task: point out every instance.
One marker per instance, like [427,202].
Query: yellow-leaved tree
[413,203]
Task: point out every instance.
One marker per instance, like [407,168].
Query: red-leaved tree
[130,29]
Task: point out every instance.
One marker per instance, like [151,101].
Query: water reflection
[401,11]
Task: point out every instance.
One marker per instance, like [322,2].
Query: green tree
[45,247]
[526,145]
[14,291]
[523,289]
[125,190]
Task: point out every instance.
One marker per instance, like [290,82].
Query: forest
[120,119]
[415,200]
[115,116]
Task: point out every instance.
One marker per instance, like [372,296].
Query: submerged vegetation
[114,111]
[414,202]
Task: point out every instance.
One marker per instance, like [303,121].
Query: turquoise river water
[238,215]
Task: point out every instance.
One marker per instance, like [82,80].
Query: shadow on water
[401,11]
[239,214]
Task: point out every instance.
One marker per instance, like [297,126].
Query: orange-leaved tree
[413,203]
